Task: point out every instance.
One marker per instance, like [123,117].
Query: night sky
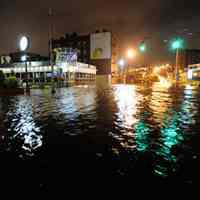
[131,20]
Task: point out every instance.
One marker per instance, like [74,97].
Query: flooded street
[136,132]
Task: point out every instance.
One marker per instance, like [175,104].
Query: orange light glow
[131,53]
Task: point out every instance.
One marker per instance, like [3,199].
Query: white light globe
[121,63]
[23,44]
[23,58]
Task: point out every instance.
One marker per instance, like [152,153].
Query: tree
[2,79]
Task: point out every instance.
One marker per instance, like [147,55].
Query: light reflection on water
[139,119]
[22,126]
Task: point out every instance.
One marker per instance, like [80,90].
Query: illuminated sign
[100,46]
[65,55]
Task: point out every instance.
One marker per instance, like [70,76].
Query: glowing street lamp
[177,44]
[23,58]
[121,63]
[131,53]
[24,44]
[142,47]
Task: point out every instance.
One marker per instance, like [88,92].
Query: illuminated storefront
[42,71]
[193,72]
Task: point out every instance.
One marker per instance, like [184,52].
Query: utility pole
[177,63]
[50,14]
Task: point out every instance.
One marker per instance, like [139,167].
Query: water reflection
[142,136]
[176,123]
[153,121]
[126,99]
[160,101]
[169,138]
[75,101]
[22,127]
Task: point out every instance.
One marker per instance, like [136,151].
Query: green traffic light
[177,44]
[142,47]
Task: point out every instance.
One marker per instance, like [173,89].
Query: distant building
[39,69]
[83,45]
[79,43]
[189,57]
[17,57]
[115,54]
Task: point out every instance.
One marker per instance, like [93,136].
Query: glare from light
[177,44]
[164,82]
[142,47]
[23,58]
[126,99]
[121,63]
[23,44]
[131,53]
[188,87]
[190,74]
[156,69]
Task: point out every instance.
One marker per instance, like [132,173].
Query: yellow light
[164,82]
[188,87]
[190,74]
[131,53]
[156,69]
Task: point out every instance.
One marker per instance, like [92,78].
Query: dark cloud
[130,19]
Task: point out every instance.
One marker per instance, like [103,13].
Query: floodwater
[142,133]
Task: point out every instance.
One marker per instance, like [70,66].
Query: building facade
[83,45]
[78,43]
[188,57]
[38,69]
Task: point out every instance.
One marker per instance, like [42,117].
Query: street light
[176,45]
[24,44]
[50,14]
[131,53]
[23,58]
[121,63]
[142,47]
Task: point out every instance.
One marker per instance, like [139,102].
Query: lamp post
[177,45]
[142,47]
[131,53]
[50,14]
[121,65]
[24,44]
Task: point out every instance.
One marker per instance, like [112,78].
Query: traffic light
[177,44]
[142,47]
